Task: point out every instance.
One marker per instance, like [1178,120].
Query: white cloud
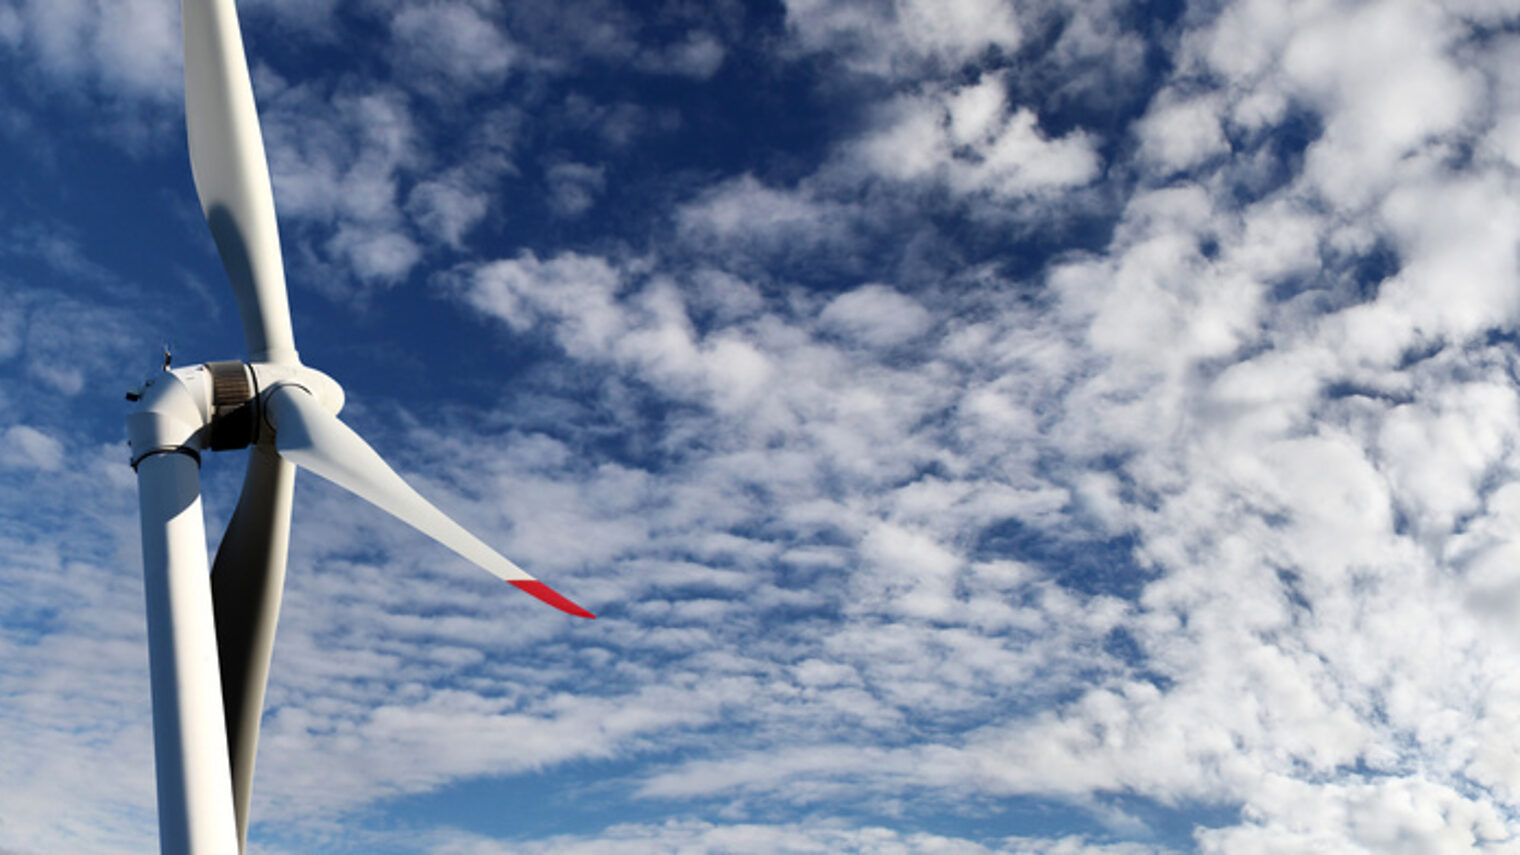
[1398,815]
[374,253]
[1501,139]
[699,56]
[1326,648]
[453,39]
[1176,135]
[575,289]
[446,209]
[129,49]
[562,35]
[69,344]
[338,164]
[1440,453]
[884,38]
[974,142]
[1381,75]
[876,316]
[72,661]
[976,112]
[1099,57]
[616,124]
[418,738]
[747,212]
[10,26]
[574,187]
[910,572]
[26,447]
[1378,117]
[337,156]
[1455,232]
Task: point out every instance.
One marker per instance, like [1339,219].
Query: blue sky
[981,427]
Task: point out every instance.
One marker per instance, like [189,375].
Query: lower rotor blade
[312,438]
[247,580]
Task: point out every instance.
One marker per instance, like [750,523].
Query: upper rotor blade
[314,439]
[247,580]
[232,175]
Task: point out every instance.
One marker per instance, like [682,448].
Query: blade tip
[546,594]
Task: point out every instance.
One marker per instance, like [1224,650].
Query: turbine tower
[211,631]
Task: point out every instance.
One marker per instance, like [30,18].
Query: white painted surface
[232,174]
[195,811]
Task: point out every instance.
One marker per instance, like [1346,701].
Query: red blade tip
[538,589]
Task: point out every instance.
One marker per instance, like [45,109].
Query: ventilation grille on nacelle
[229,384]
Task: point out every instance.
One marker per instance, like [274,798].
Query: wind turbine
[211,632]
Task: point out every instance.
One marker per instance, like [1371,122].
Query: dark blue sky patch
[473,364]
[1339,279]
[560,801]
[1023,249]
[1343,389]
[1365,273]
[1098,94]
[990,819]
[756,114]
[1174,825]
[1420,351]
[27,627]
[1120,643]
[1088,565]
[1509,341]
[1403,524]
[1293,591]
[774,120]
[1272,157]
[573,798]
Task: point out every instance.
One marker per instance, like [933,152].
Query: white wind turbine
[211,633]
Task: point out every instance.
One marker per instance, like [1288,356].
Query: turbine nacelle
[218,406]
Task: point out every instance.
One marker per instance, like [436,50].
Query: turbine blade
[314,439]
[247,580]
[232,175]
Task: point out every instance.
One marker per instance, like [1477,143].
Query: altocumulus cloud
[1043,456]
